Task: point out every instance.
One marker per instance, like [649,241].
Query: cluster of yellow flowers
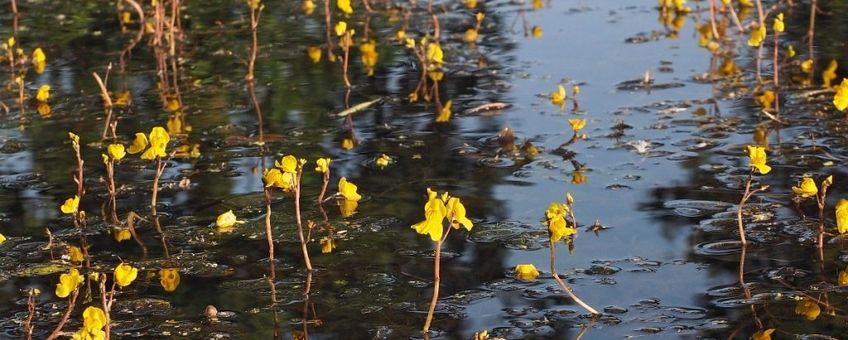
[157,141]
[93,321]
[436,210]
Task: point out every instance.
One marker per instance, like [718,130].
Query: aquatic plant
[757,155]
[559,230]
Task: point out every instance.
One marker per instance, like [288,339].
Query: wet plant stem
[346,46]
[324,186]
[71,303]
[436,284]
[552,246]
[255,13]
[268,231]
[328,24]
[776,75]
[741,206]
[297,192]
[821,198]
[30,313]
[107,304]
[811,32]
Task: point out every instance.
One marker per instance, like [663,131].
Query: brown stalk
[328,23]
[71,303]
[30,313]
[268,232]
[747,195]
[297,191]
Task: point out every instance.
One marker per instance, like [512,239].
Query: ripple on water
[718,248]
[696,208]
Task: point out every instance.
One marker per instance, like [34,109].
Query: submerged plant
[758,164]
[437,210]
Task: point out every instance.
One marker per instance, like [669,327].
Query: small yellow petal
[526,272]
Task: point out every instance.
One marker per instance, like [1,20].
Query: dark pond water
[661,168]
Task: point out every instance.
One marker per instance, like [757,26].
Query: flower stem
[436,284]
[303,249]
[564,286]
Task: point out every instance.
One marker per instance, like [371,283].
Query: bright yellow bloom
[71,205]
[308,7]
[226,221]
[482,335]
[577,124]
[758,159]
[38,56]
[790,52]
[383,161]
[526,272]
[314,54]
[445,113]
[287,164]
[322,165]
[807,188]
[558,97]
[68,282]
[778,23]
[766,100]
[757,36]
[2,238]
[470,4]
[122,235]
[842,216]
[470,35]
[434,214]
[764,334]
[840,99]
[276,178]
[159,139]
[139,144]
[93,318]
[536,32]
[344,5]
[456,214]
[169,278]
[43,93]
[829,74]
[369,55]
[327,245]
[435,54]
[75,254]
[348,144]
[341,27]
[555,220]
[807,66]
[348,190]
[125,274]
[808,308]
[116,151]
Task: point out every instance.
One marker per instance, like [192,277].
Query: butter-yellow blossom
[43,93]
[169,278]
[840,99]
[71,205]
[344,6]
[807,188]
[757,154]
[116,152]
[842,216]
[322,165]
[348,190]
[125,274]
[526,272]
[68,282]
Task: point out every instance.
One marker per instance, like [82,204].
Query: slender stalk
[739,208]
[324,186]
[328,24]
[303,249]
[562,283]
[811,32]
[268,232]
[30,313]
[153,196]
[436,285]
[776,75]
[71,303]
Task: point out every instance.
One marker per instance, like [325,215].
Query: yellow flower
[71,205]
[790,52]
[758,159]
[314,54]
[778,23]
[38,56]
[766,100]
[536,32]
[526,272]
[840,100]
[842,216]
[348,190]
[322,165]
[807,188]
[369,55]
[808,308]
[169,278]
[43,109]
[139,144]
[577,124]
[287,164]
[764,334]
[482,335]
[93,319]
[434,214]
[327,245]
[159,139]
[344,5]
[116,151]
[43,93]
[829,74]
[125,274]
[471,4]
[435,54]
[341,27]
[122,235]
[807,66]
[558,97]
[456,214]
[2,238]
[555,220]
[445,113]
[347,207]
[348,144]
[276,178]
[383,161]
[75,254]
[470,35]
[68,282]
[757,36]
[227,220]
[578,177]
[308,7]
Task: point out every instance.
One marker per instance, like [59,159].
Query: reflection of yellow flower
[578,177]
[758,159]
[577,124]
[481,335]
[807,66]
[790,52]
[75,254]
[43,93]
[68,282]
[383,161]
[314,54]
[116,151]
[226,221]
[348,144]
[43,109]
[808,308]
[327,245]
[471,4]
[169,278]
[322,165]
[122,235]
[757,36]
[71,205]
[347,207]
[445,113]
[308,7]
[348,190]
[829,74]
[470,35]
[526,272]
[842,280]
[842,216]
[840,100]
[344,5]
[536,32]
[764,334]
[558,97]
[125,274]
[807,188]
